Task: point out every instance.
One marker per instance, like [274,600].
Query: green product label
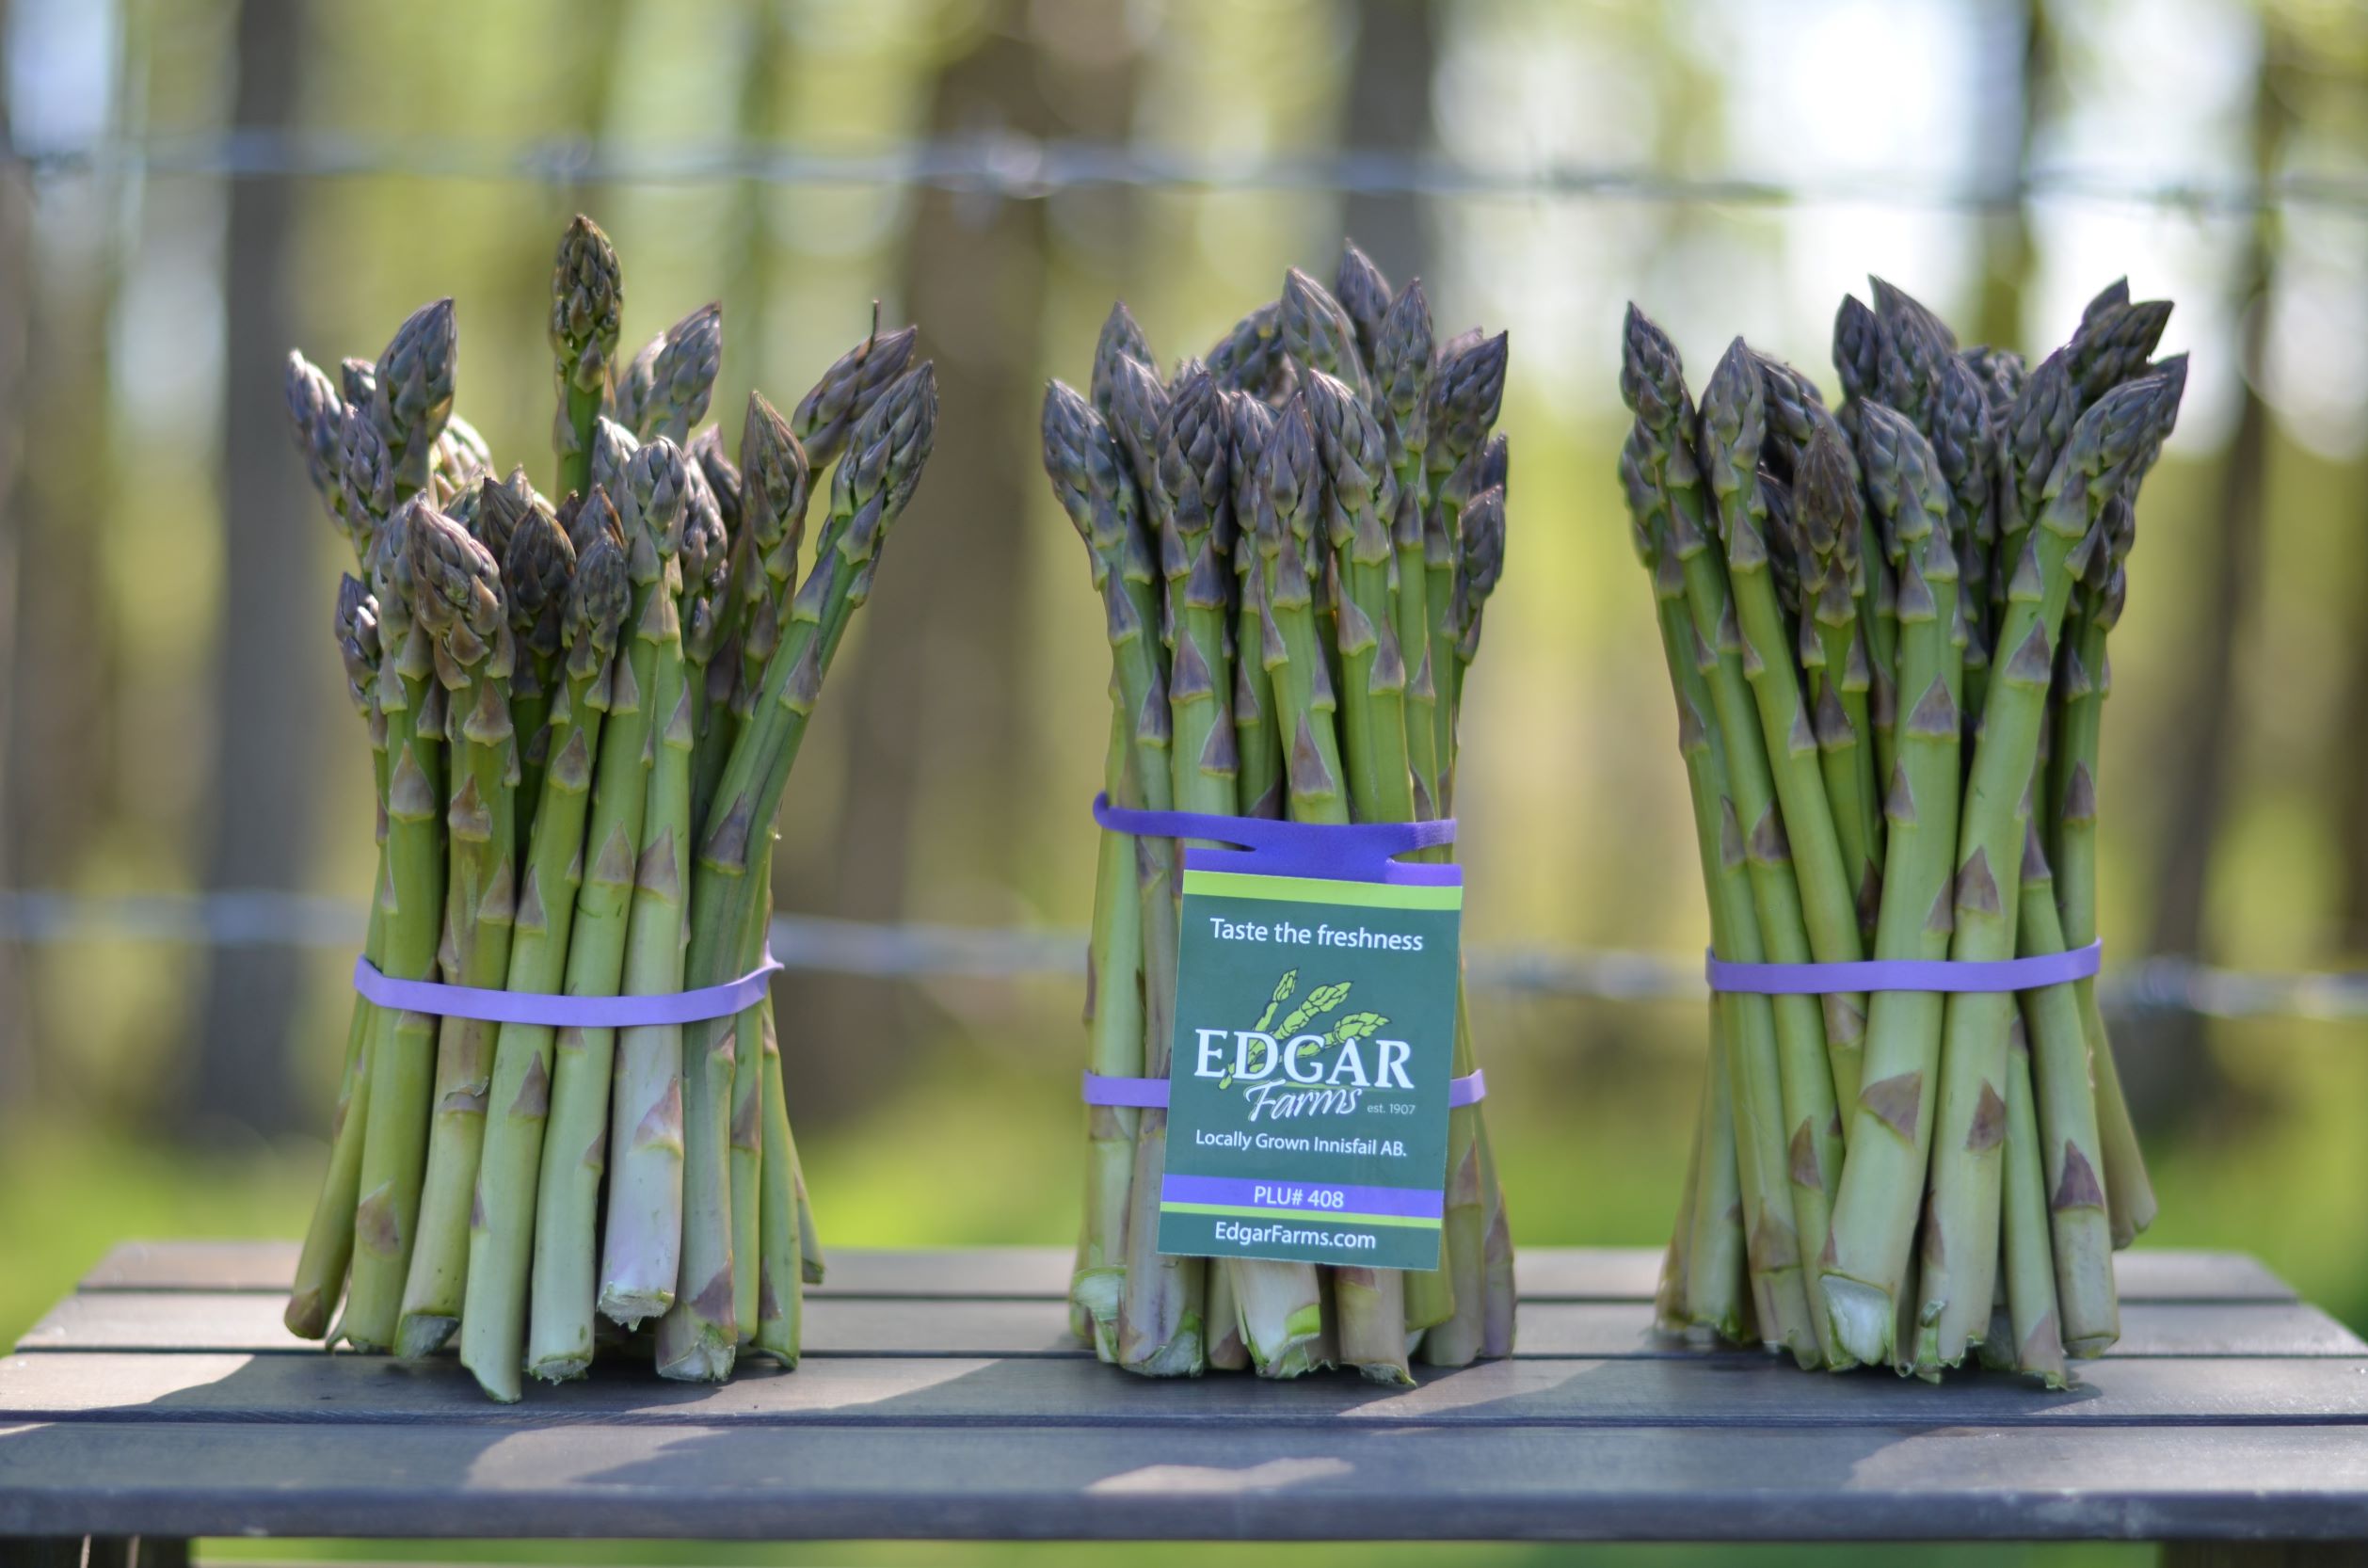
[1308,1100]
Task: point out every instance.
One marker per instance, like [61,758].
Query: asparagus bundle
[1884,626]
[1294,539]
[581,718]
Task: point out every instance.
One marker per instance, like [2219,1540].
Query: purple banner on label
[1304,1198]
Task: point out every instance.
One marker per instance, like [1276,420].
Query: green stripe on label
[1306,889]
[1286,1216]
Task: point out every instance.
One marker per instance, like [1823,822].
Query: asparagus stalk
[1652,383]
[460,605]
[1733,427]
[785,1229]
[587,304]
[1401,377]
[869,492]
[501,1227]
[2026,1258]
[1863,1276]
[1113,1024]
[1257,742]
[2108,445]
[773,489]
[1466,388]
[1830,523]
[1354,461]
[1161,1309]
[575,1137]
[697,1336]
[1855,331]
[538,564]
[641,1247]
[410,899]
[2071,1162]
[328,1239]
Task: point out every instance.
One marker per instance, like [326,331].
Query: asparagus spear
[575,1137]
[1401,377]
[641,1248]
[827,415]
[683,377]
[587,304]
[773,489]
[696,1337]
[1653,384]
[628,407]
[1354,461]
[461,606]
[1830,525]
[1160,1309]
[1121,340]
[1467,390]
[412,393]
[2029,1264]
[1318,334]
[869,492]
[1364,295]
[1255,740]
[1855,334]
[2108,446]
[1710,1239]
[410,898]
[1961,436]
[317,420]
[537,566]
[328,1239]
[1250,357]
[1733,426]
[502,1225]
[1862,1273]
[2071,1164]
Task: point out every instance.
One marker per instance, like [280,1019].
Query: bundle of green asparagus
[1885,624]
[1294,539]
[582,719]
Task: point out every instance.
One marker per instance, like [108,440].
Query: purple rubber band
[1151,1094]
[1908,974]
[535,1007]
[1343,852]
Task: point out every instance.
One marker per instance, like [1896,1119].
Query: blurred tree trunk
[59,756]
[1389,111]
[263,697]
[932,694]
[2021,78]
[2170,1072]
[16,296]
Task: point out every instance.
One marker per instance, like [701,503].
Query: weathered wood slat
[225,1320]
[1651,1483]
[1547,1273]
[1723,1391]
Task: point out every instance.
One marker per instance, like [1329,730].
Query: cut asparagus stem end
[561,1369]
[1181,1356]
[421,1335]
[1862,1317]
[627,1308]
[1097,1291]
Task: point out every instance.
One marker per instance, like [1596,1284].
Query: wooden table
[941,1397]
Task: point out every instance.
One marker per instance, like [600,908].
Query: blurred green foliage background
[169,699]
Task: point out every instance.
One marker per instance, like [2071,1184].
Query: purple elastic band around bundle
[535,1007]
[1337,852]
[1908,974]
[1151,1094]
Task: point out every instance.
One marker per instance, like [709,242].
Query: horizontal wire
[1004,163]
[251,918]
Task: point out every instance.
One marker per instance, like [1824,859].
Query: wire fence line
[923,950]
[1007,165]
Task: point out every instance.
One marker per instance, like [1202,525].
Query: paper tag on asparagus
[1307,1101]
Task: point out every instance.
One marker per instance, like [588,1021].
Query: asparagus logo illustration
[1258,1053]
